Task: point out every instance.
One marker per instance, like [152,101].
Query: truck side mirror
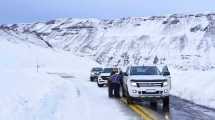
[166,73]
[125,74]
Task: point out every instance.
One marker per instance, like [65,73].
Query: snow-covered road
[83,100]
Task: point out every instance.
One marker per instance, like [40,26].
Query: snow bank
[22,91]
[28,56]
[194,85]
[30,95]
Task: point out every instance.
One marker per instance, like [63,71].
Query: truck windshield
[145,70]
[97,69]
[107,70]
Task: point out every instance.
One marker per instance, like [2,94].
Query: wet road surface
[185,110]
[181,110]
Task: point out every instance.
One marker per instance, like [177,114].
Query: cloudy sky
[16,11]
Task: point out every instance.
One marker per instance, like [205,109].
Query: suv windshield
[97,69]
[107,70]
[145,70]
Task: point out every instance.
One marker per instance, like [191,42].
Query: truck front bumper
[148,92]
[94,77]
[102,81]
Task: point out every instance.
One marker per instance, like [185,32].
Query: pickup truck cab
[146,83]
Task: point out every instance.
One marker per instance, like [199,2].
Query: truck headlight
[92,73]
[165,83]
[134,84]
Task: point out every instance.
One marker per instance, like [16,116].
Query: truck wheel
[127,97]
[166,103]
[91,79]
[120,92]
[153,104]
[100,85]
[129,101]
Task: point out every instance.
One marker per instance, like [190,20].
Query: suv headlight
[134,84]
[165,83]
[92,73]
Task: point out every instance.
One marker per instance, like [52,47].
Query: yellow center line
[146,112]
[141,111]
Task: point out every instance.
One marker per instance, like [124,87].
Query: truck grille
[150,93]
[151,84]
[105,77]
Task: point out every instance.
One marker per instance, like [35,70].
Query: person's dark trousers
[111,89]
[116,90]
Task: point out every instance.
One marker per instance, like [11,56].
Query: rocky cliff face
[183,41]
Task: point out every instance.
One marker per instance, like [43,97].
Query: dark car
[95,72]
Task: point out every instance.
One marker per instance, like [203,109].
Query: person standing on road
[114,84]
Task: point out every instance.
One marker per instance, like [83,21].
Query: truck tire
[122,94]
[153,104]
[91,79]
[166,103]
[129,101]
[127,97]
[100,85]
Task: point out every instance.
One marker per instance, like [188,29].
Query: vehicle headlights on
[165,83]
[133,84]
[92,73]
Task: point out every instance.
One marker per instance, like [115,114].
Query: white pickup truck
[146,83]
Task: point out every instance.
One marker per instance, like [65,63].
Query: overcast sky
[16,11]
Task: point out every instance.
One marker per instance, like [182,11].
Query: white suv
[104,77]
[146,83]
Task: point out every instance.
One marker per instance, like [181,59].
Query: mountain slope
[184,41]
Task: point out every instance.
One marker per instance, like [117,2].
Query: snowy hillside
[184,41]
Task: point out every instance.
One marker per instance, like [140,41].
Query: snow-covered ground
[61,89]
[195,85]
[44,95]
[185,43]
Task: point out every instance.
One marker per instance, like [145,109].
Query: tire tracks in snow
[49,104]
[93,103]
[74,104]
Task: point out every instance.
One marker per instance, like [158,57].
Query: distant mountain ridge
[183,41]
